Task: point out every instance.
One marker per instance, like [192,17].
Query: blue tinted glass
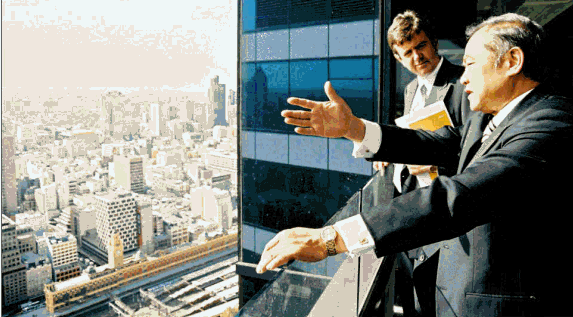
[359,95]
[249,9]
[248,95]
[273,83]
[308,151]
[281,196]
[360,68]
[309,42]
[376,79]
[351,39]
[272,45]
[307,79]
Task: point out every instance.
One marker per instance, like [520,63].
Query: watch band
[329,237]
[331,247]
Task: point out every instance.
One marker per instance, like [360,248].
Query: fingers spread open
[298,122]
[305,131]
[297,114]
[305,103]
[330,92]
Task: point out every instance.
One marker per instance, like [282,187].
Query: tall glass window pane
[309,42]
[249,10]
[272,45]
[250,95]
[272,13]
[351,39]
[359,96]
[274,84]
[360,68]
[308,78]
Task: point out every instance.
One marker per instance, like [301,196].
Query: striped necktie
[488,130]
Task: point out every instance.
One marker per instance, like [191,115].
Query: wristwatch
[328,235]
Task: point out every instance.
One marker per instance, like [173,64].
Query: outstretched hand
[331,119]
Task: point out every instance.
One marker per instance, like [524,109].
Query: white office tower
[116,212]
[155,121]
[214,206]
[146,212]
[129,173]
[47,200]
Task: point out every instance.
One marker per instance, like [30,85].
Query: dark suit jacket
[500,221]
[447,87]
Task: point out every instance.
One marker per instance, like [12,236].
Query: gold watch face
[328,234]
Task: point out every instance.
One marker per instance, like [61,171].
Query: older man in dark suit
[501,221]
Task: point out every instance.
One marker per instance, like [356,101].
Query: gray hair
[514,30]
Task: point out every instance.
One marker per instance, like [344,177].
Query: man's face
[418,55]
[483,80]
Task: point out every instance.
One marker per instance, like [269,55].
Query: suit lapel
[409,98]
[514,116]
[472,138]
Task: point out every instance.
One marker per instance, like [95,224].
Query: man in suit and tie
[414,45]
[501,221]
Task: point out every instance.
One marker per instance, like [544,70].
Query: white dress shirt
[353,230]
[418,102]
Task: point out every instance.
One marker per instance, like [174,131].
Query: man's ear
[513,60]
[397,57]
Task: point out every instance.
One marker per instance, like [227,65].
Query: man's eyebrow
[465,58]
[421,44]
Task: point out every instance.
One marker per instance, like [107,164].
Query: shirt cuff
[355,235]
[371,142]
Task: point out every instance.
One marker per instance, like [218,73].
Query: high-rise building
[112,105]
[38,273]
[292,48]
[217,102]
[146,225]
[9,184]
[231,111]
[63,253]
[14,288]
[116,213]
[155,119]
[129,173]
[47,200]
[218,208]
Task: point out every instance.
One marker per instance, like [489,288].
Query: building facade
[217,103]
[129,173]
[291,48]
[63,253]
[116,213]
[9,183]
[14,288]
[38,273]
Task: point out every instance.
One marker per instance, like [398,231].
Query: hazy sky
[119,43]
